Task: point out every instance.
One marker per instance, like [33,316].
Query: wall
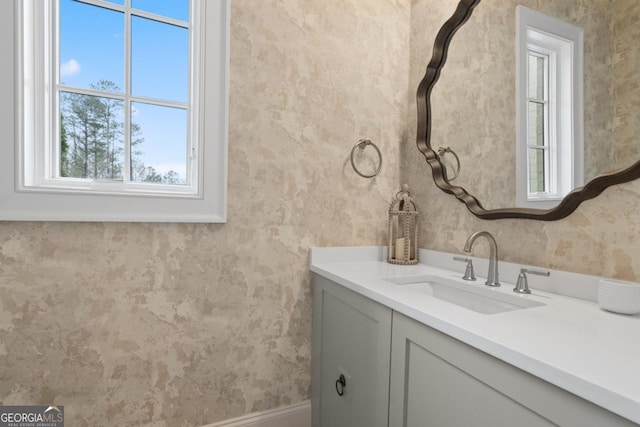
[188,324]
[602,237]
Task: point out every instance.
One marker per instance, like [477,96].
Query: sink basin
[473,297]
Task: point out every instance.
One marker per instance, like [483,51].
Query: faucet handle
[468,272]
[522,286]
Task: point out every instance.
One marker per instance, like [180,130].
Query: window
[549,91]
[538,149]
[112,104]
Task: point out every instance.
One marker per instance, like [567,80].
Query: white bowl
[619,297]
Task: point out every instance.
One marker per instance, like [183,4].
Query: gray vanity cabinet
[401,373]
[439,381]
[351,337]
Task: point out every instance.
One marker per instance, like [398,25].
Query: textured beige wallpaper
[185,325]
[602,237]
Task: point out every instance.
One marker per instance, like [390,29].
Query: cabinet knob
[341,383]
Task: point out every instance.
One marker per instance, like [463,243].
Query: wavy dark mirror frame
[570,202]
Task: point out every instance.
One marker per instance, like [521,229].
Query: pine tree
[92,139]
[64,148]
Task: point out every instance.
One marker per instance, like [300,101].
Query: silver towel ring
[361,145]
[441,153]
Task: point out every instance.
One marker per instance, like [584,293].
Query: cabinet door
[439,381]
[351,337]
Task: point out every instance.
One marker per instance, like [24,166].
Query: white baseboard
[298,415]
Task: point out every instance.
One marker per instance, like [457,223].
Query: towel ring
[441,153]
[361,145]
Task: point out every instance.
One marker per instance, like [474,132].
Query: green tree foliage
[92,139]
[64,148]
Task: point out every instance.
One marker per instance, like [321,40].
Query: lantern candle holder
[403,229]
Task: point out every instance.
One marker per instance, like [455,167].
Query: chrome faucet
[492,274]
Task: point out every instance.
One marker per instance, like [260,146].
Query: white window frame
[26,194]
[563,43]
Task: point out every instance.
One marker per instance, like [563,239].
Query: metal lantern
[403,229]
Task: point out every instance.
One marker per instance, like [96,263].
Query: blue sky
[92,49]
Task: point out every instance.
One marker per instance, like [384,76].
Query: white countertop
[568,342]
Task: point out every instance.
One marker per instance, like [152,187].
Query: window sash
[46,156]
[543,128]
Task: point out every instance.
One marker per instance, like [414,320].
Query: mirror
[474,62]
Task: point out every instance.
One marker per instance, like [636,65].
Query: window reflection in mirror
[549,110]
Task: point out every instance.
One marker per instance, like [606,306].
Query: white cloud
[69,68]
